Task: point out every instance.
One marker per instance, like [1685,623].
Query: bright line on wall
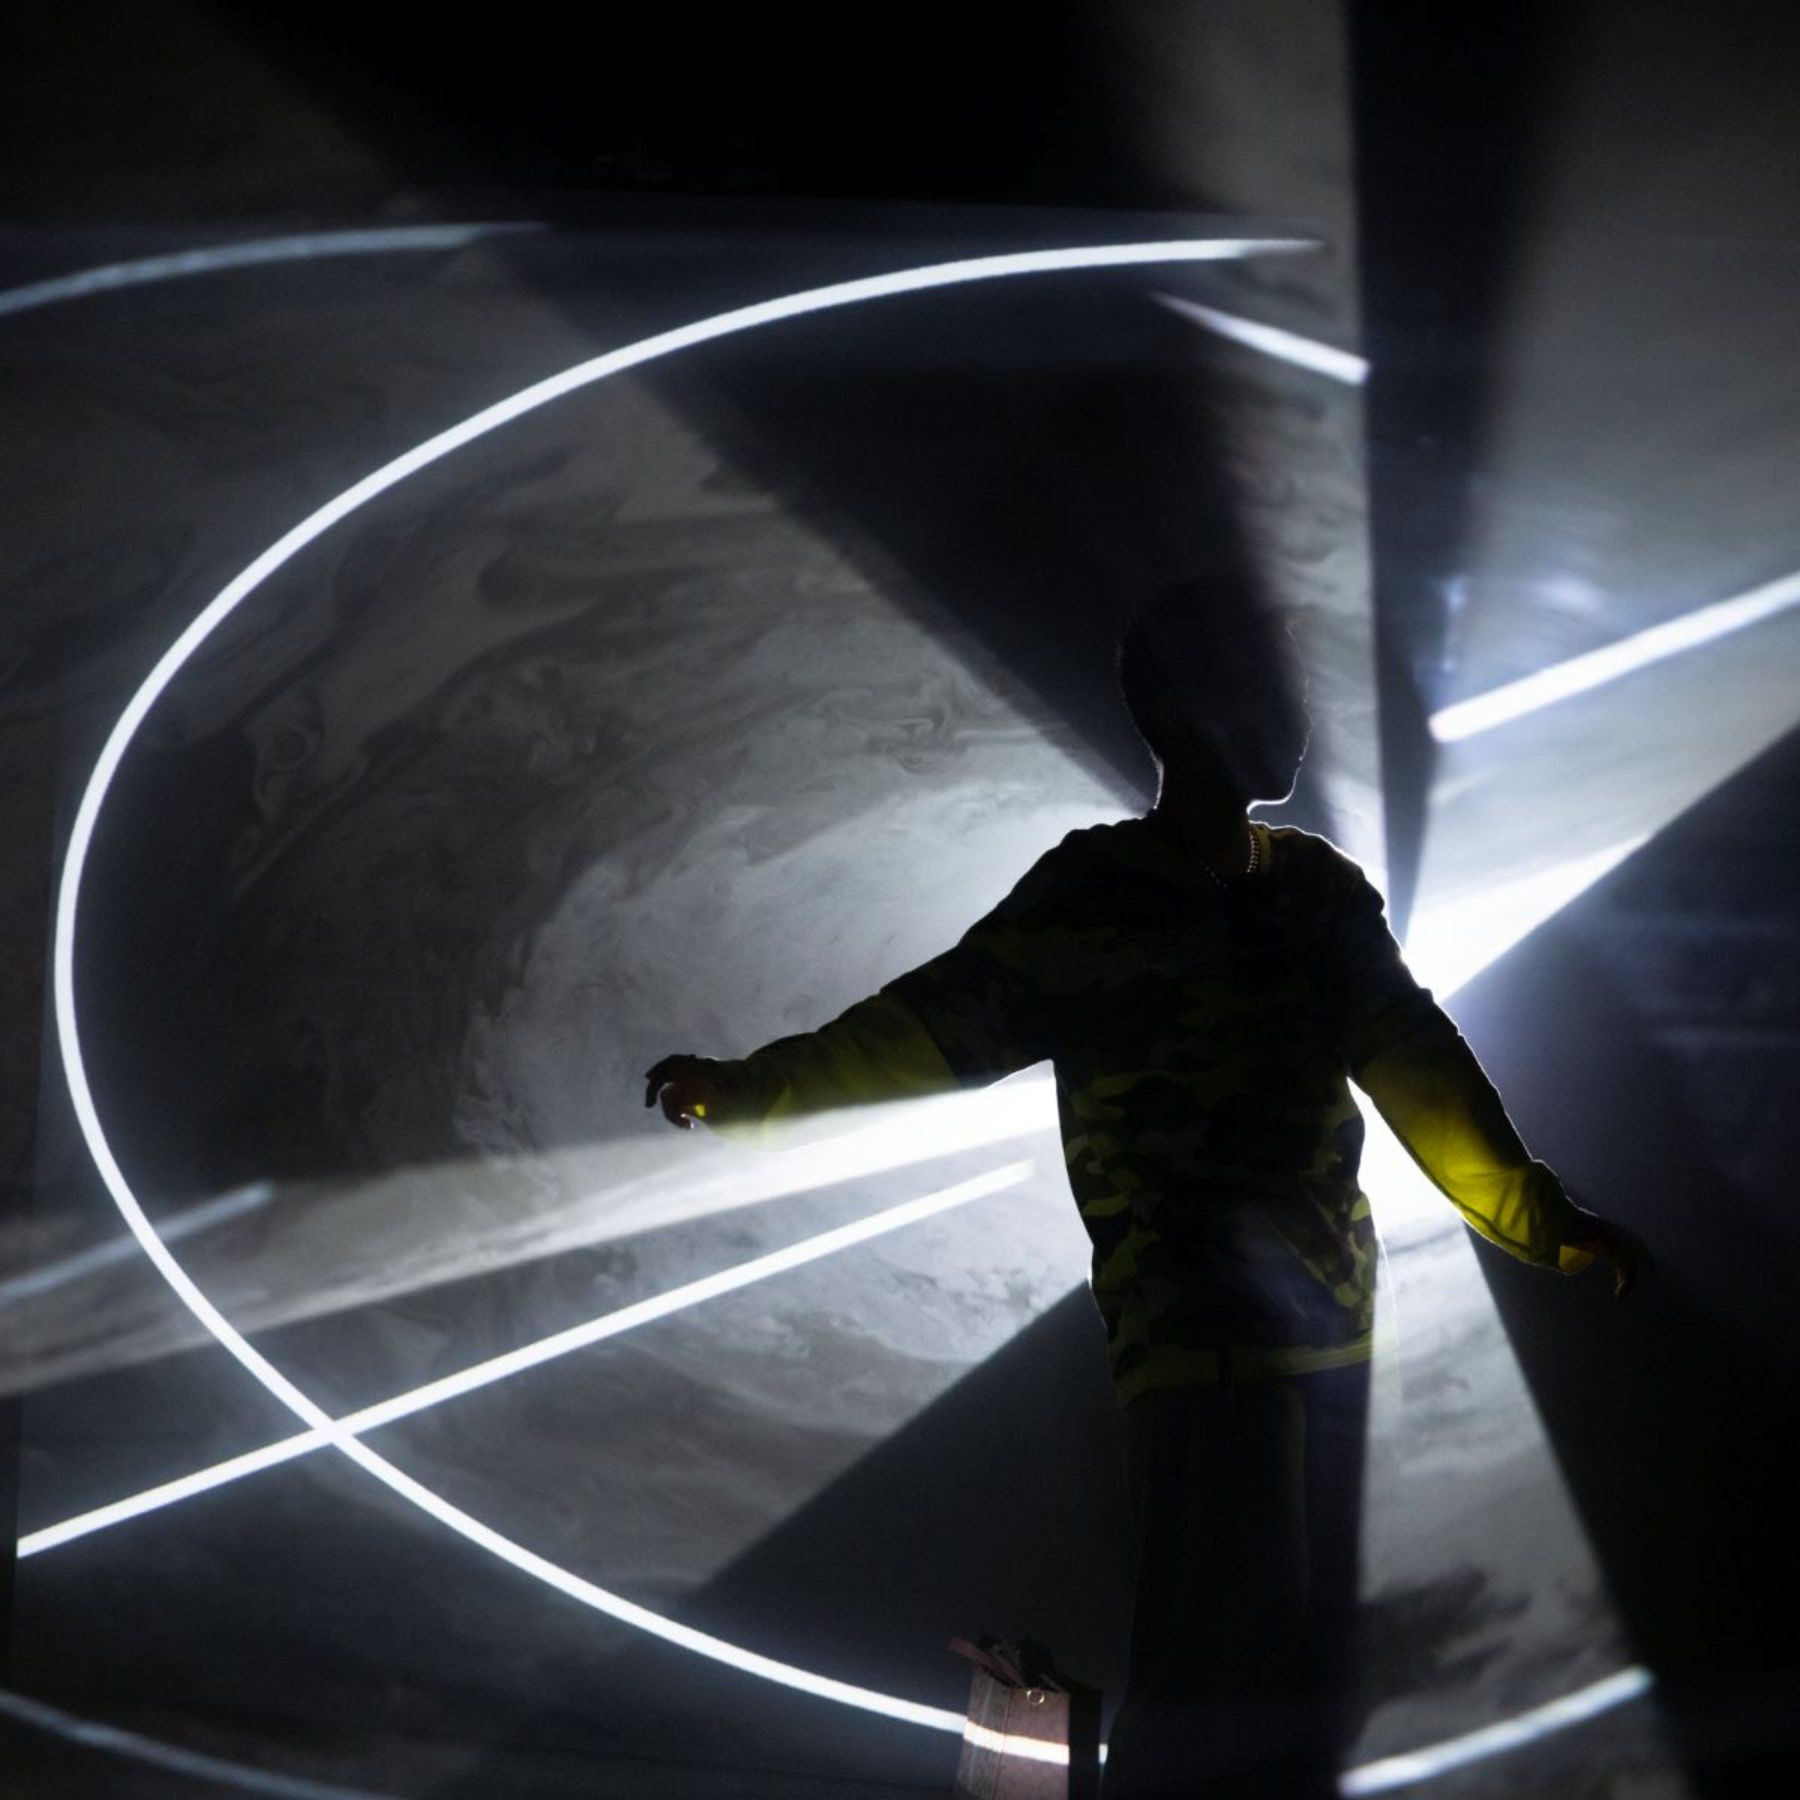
[1458,935]
[218,257]
[194,1219]
[1272,340]
[531,1356]
[985,1737]
[1501,705]
[1389,1772]
[1508,1734]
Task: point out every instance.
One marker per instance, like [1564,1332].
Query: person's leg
[1218,1484]
[1248,1502]
[1337,1427]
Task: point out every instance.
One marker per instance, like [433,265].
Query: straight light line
[185,1224]
[1501,705]
[1272,340]
[530,1356]
[212,259]
[167,1493]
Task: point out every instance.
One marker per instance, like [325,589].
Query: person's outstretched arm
[1407,1055]
[963,1019]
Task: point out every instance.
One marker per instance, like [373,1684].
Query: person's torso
[1208,1128]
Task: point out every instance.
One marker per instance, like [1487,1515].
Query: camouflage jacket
[1204,1037]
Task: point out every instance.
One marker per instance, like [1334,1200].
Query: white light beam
[1528,1727]
[185,1224]
[1272,340]
[529,1356]
[212,259]
[1501,705]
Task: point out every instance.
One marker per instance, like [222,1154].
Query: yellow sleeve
[1444,1109]
[876,1050]
[1407,1055]
[966,1017]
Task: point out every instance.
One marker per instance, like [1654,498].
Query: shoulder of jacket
[1316,852]
[1078,859]
[1082,844]
[1335,880]
[1046,875]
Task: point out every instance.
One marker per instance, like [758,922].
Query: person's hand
[1623,1249]
[687,1086]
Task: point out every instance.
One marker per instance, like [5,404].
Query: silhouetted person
[1207,987]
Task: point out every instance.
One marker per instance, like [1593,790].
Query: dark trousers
[1248,1500]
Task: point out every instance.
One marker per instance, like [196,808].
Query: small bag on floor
[1032,1734]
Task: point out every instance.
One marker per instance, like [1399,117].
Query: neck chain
[1249,868]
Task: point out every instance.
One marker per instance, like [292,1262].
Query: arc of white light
[81,836]
[112,752]
[531,1356]
[1273,340]
[1528,1727]
[1530,693]
[1381,1776]
[213,259]
[744,318]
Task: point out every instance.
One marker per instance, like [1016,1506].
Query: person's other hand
[1623,1249]
[687,1086]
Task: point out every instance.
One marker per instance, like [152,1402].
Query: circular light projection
[746,318]
[1397,1771]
